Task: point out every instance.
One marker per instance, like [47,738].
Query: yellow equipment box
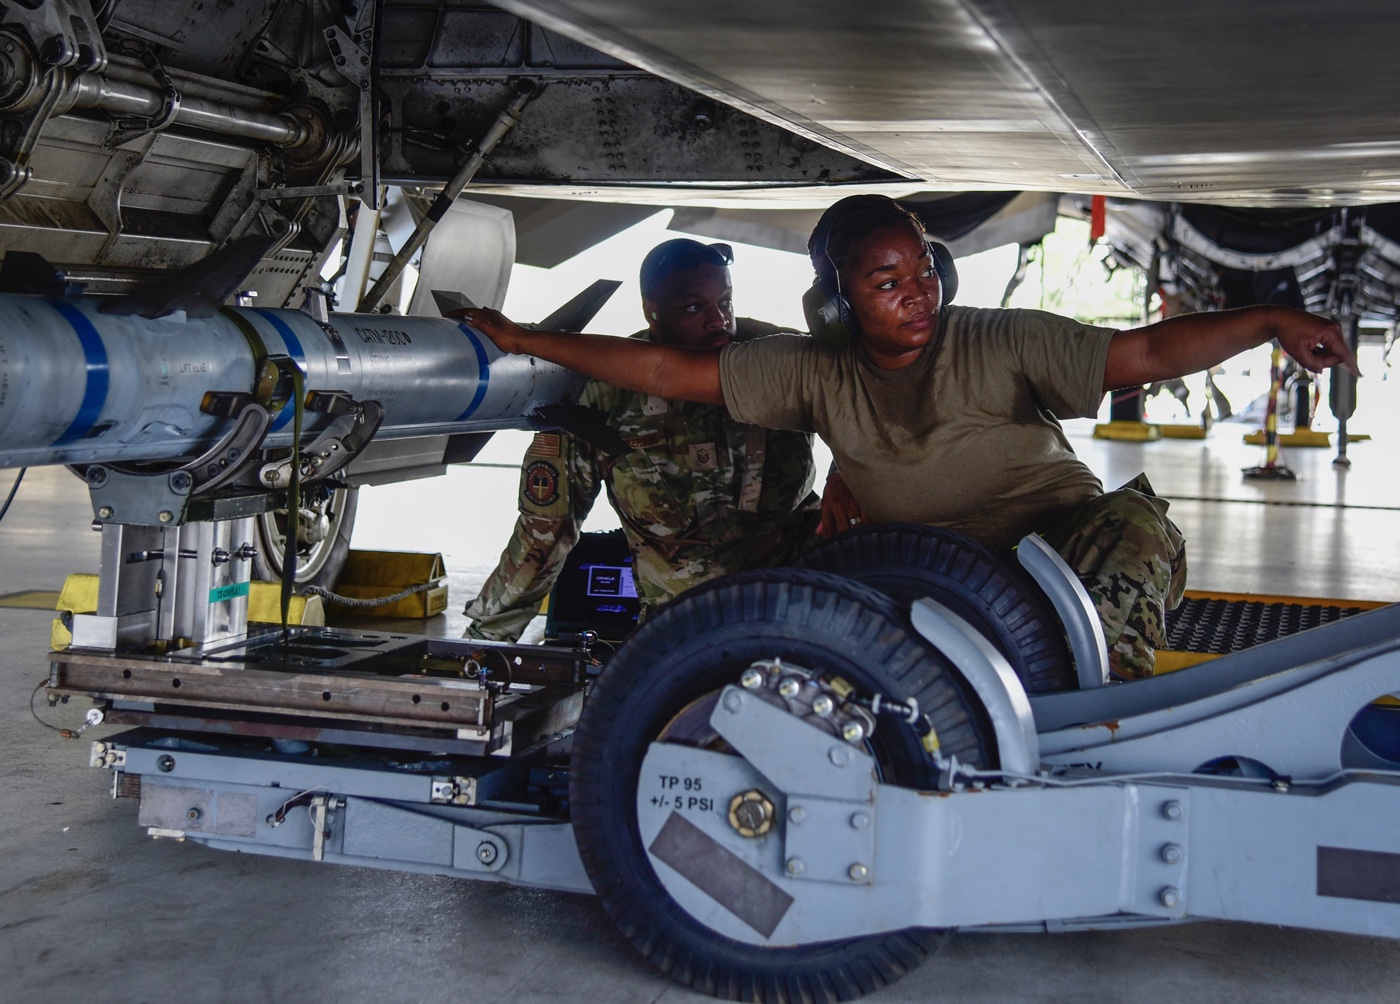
[372,574]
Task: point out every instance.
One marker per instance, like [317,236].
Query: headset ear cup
[828,316]
[947,270]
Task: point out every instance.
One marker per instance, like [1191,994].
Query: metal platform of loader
[1208,625]
[363,688]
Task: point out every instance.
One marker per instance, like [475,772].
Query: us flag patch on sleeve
[545,444]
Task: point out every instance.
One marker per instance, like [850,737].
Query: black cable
[505,661]
[13,488]
[42,684]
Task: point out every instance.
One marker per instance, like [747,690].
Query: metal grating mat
[1220,626]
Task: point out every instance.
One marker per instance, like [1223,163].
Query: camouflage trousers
[1132,560]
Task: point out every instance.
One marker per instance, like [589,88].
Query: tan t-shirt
[965,437]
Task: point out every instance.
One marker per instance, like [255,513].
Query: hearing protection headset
[826,308]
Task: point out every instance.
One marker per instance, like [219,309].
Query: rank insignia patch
[702,457]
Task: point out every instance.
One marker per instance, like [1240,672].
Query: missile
[87,380]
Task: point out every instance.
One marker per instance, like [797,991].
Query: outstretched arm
[667,371]
[1190,343]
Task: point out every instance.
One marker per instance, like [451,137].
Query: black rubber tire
[906,561]
[328,559]
[695,646]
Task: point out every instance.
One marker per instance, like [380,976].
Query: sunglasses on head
[712,254]
[724,254]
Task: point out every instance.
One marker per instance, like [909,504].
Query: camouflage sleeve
[558,484]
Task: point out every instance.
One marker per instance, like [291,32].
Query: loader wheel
[907,561]
[326,521]
[689,651]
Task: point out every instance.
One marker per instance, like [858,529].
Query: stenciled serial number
[383,336]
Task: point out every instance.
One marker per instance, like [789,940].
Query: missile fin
[572,316]
[464,446]
[584,423]
[576,314]
[199,289]
[31,273]
[448,301]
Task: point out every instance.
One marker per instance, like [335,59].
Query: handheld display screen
[610,580]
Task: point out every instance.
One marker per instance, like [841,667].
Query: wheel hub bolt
[823,706]
[751,680]
[751,813]
[853,732]
[789,687]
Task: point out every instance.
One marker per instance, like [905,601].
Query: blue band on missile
[293,349]
[483,372]
[98,374]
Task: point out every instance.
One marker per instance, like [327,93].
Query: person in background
[698,494]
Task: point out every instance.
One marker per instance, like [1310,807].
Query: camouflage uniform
[1132,560]
[699,495]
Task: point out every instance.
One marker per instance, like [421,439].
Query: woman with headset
[949,415]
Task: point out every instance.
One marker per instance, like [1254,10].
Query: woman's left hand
[840,510]
[1316,342]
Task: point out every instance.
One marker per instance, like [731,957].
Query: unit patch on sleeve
[541,483]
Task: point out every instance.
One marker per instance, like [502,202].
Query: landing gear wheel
[687,653]
[906,561]
[323,542]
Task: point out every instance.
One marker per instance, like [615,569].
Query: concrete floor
[91,907]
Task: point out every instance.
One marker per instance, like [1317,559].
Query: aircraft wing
[1196,101]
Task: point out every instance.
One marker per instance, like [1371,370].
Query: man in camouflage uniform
[698,494]
[1132,560]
